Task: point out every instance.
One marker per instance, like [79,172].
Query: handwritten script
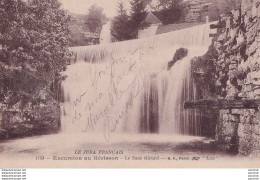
[113,87]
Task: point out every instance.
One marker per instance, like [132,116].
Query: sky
[82,6]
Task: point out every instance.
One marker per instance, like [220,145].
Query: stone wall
[237,76]
[238,131]
[196,10]
[230,70]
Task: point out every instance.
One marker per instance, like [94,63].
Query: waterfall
[125,87]
[105,35]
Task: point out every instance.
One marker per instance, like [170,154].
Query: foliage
[169,11]
[163,4]
[78,30]
[34,39]
[203,72]
[126,27]
[120,23]
[138,14]
[95,18]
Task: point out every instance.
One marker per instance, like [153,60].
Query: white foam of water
[125,87]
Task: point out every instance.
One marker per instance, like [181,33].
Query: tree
[34,50]
[120,24]
[12,35]
[34,39]
[169,11]
[138,14]
[95,18]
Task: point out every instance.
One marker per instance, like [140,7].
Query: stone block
[255,141]
[255,8]
[253,65]
[257,92]
[224,111]
[237,112]
[258,115]
[257,38]
[232,34]
[222,37]
[255,120]
[247,22]
[256,82]
[232,66]
[251,76]
[227,139]
[247,81]
[224,117]
[235,118]
[242,95]
[258,11]
[231,92]
[244,147]
[251,49]
[248,130]
[240,130]
[240,82]
[252,111]
[246,119]
[245,131]
[236,16]
[246,5]
[232,74]
[252,95]
[256,129]
[247,88]
[234,60]
[255,75]
[252,32]
[230,129]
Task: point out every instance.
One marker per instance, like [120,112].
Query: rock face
[179,55]
[237,76]
[239,65]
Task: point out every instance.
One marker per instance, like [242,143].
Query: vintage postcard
[129,84]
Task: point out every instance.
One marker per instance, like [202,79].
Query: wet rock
[179,55]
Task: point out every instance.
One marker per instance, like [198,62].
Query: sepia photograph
[129,83]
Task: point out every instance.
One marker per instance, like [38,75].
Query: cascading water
[125,87]
[105,35]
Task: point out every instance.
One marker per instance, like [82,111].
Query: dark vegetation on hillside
[125,26]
